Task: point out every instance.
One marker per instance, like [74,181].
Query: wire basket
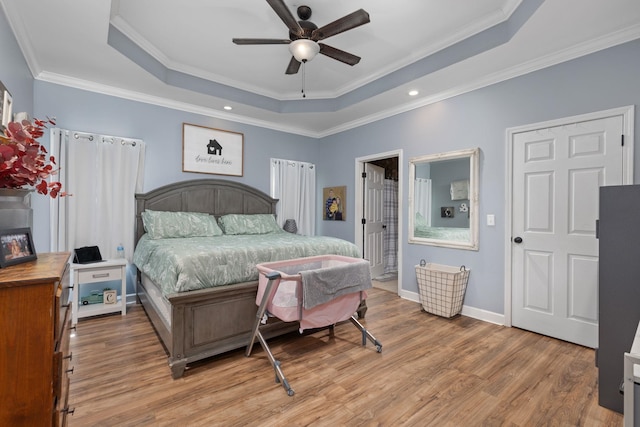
[442,288]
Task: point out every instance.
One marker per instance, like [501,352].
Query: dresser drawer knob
[70,356]
[70,371]
[68,410]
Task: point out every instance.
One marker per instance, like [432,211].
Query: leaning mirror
[443,199]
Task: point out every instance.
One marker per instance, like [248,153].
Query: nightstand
[106,271]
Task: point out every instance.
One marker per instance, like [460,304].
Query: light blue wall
[599,81]
[14,72]
[161,129]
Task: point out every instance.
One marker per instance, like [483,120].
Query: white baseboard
[476,313]
[485,315]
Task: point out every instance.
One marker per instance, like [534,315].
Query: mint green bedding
[443,233]
[186,264]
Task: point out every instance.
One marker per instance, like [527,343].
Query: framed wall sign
[214,151]
[16,246]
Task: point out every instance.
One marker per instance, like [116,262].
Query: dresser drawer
[62,358]
[100,275]
[62,408]
[62,306]
[63,367]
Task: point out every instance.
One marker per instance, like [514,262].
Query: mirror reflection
[443,199]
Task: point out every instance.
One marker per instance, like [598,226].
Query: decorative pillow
[163,225]
[249,224]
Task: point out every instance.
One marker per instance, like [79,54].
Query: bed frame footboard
[208,322]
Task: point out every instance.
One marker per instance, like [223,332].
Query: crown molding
[592,46]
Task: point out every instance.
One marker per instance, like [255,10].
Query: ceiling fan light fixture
[304,50]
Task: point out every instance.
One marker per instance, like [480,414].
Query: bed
[423,230]
[195,321]
[456,234]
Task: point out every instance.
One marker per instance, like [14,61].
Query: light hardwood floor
[391,285]
[431,372]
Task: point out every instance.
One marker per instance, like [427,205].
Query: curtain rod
[105,139]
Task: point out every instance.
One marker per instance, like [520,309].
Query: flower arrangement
[23,160]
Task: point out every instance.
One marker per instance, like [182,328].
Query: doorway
[378,213]
[555,172]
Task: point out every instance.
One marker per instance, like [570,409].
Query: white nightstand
[81,274]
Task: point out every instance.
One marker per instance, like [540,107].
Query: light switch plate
[491,220]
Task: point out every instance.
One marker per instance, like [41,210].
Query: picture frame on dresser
[2,90]
[16,246]
[7,108]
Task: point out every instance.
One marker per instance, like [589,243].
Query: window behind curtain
[294,184]
[102,173]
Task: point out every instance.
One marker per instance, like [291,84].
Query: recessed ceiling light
[228,107]
[413,92]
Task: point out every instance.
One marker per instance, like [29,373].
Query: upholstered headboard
[213,196]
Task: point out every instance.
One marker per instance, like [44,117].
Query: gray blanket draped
[325,284]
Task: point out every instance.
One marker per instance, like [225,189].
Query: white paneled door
[373,230]
[557,173]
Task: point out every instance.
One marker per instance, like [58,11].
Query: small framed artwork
[335,208]
[7,108]
[16,246]
[214,151]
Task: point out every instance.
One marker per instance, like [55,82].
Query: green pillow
[249,224]
[164,225]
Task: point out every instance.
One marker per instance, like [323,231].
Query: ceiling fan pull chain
[304,95]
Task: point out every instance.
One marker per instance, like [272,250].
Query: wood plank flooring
[431,372]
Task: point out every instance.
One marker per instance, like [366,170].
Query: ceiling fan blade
[261,41]
[293,67]
[353,20]
[284,13]
[338,54]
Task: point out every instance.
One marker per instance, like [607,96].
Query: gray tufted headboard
[213,196]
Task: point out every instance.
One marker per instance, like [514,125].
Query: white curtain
[102,173]
[423,198]
[294,184]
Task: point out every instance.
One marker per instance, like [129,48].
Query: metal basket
[442,288]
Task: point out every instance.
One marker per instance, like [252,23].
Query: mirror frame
[473,154]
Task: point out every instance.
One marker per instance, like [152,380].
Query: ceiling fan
[304,35]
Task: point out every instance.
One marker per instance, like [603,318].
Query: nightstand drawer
[100,275]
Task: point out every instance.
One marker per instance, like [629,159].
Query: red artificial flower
[23,161]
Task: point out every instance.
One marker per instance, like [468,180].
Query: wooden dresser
[35,317]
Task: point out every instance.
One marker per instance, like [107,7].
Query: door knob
[518,239]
